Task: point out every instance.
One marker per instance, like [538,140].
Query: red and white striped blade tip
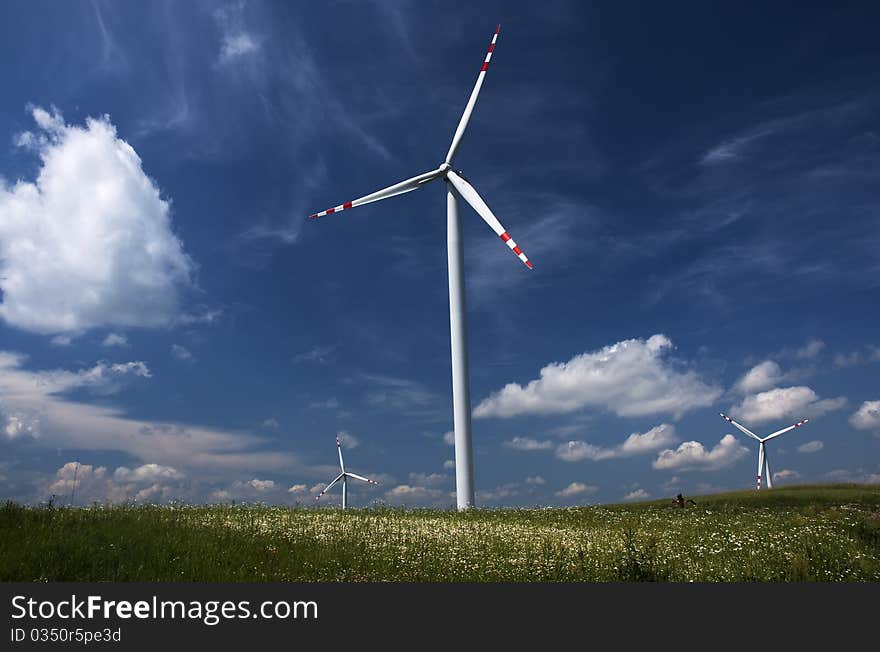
[506,239]
[330,211]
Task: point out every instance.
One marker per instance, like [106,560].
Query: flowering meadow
[809,533]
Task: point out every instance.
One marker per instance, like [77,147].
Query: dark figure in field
[679,501]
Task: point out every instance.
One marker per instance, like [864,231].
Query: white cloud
[297,489]
[429,479]
[84,483]
[785,402]
[236,45]
[38,399]
[449,438]
[449,464]
[261,485]
[271,423]
[810,350]
[528,444]
[89,243]
[181,353]
[855,358]
[786,474]
[844,475]
[535,480]
[811,447]
[630,378]
[730,150]
[577,489]
[405,493]
[146,473]
[760,377]
[317,354]
[19,425]
[115,339]
[60,340]
[636,444]
[692,456]
[235,40]
[637,494]
[348,440]
[867,417]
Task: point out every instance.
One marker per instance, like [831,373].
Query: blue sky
[696,185]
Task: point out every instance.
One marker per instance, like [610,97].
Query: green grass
[807,533]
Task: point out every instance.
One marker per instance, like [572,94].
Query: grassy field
[808,533]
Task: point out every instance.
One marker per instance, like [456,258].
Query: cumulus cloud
[785,402]
[146,473]
[84,483]
[449,464]
[692,456]
[528,444]
[297,489]
[630,378]
[19,425]
[637,494]
[867,417]
[449,438]
[89,243]
[636,444]
[811,447]
[535,480]
[260,485]
[786,474]
[760,377]
[577,489]
[405,493]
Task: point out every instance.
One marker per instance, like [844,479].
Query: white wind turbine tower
[344,476]
[456,186]
[763,462]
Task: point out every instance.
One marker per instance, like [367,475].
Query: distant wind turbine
[456,186]
[344,476]
[763,462]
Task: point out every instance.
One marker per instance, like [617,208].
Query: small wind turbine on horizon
[344,476]
[763,462]
[456,186]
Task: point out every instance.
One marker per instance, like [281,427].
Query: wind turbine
[344,476]
[456,186]
[763,462]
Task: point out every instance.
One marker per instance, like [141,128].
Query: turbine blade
[769,476]
[784,430]
[337,479]
[339,450]
[469,108]
[360,477]
[742,428]
[470,195]
[408,185]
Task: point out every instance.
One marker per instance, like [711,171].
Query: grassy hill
[805,533]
